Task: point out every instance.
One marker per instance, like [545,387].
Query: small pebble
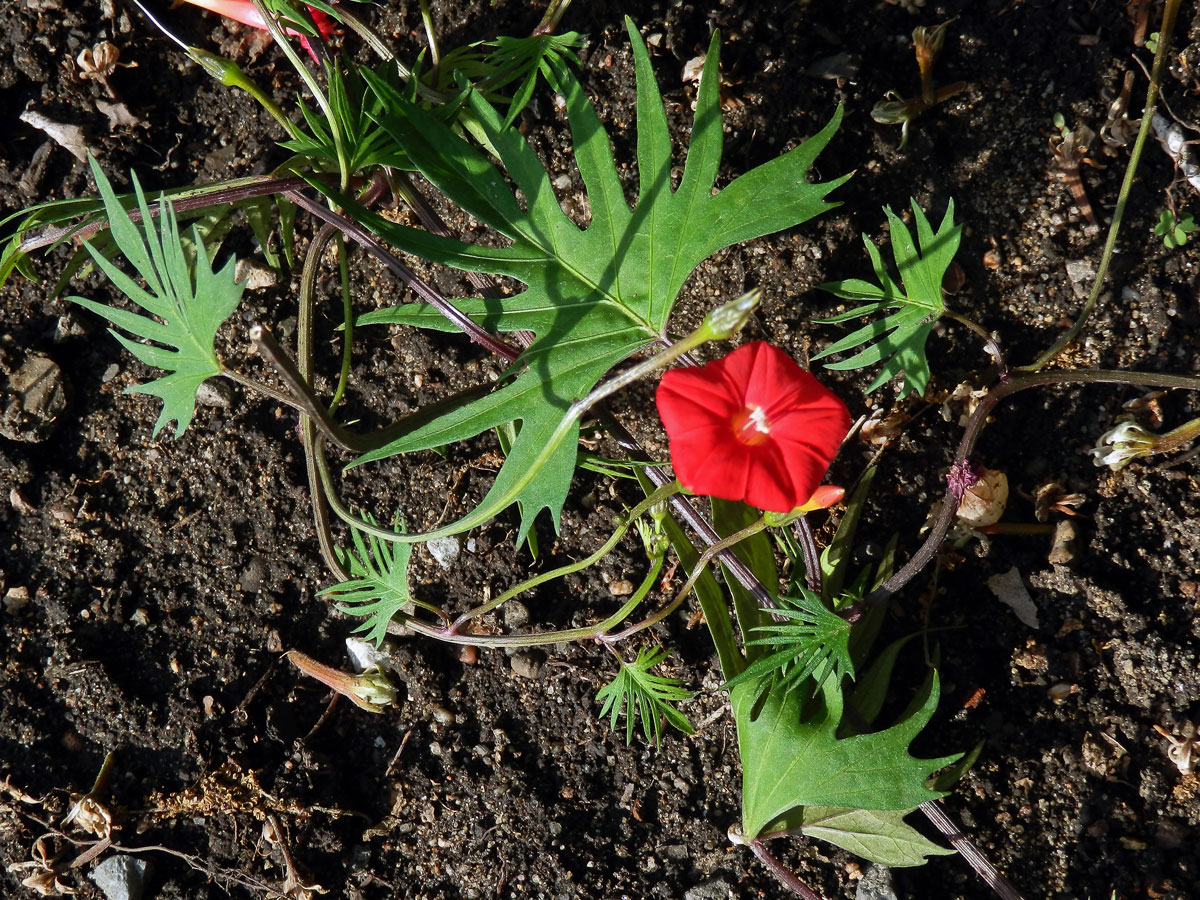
[621,588]
[255,274]
[33,400]
[16,599]
[466,654]
[876,884]
[717,888]
[62,513]
[443,716]
[121,877]
[68,326]
[444,550]
[19,503]
[1063,546]
[253,576]
[516,614]
[529,664]
[1033,657]
[216,392]
[1061,691]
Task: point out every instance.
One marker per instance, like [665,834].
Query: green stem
[230,74]
[1177,437]
[701,564]
[602,551]
[435,58]
[586,632]
[554,14]
[719,324]
[348,320]
[335,126]
[1156,73]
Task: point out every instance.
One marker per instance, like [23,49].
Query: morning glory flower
[751,426]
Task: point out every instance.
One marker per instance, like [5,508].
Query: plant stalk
[1170,11]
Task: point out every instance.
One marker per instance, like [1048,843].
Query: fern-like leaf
[186,298]
[644,695]
[509,65]
[898,339]
[813,643]
[378,587]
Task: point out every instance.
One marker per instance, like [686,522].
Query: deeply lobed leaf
[898,339]
[378,587]
[187,299]
[792,756]
[593,296]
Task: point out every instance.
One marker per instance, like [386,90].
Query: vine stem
[966,445]
[966,848]
[271,21]
[701,564]
[1160,57]
[234,191]
[785,876]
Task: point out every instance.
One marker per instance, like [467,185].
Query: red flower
[751,426]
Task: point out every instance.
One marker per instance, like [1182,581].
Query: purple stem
[365,239]
[967,850]
[241,189]
[785,875]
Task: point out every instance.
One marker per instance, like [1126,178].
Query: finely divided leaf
[188,299]
[898,339]
[792,757]
[378,587]
[812,643]
[644,695]
[595,295]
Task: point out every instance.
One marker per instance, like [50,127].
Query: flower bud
[371,691]
[1120,444]
[728,319]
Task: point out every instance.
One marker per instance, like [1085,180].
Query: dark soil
[164,576]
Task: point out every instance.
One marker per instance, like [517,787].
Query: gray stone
[516,614]
[216,392]
[121,877]
[444,550]
[255,274]
[529,664]
[876,884]
[712,889]
[254,575]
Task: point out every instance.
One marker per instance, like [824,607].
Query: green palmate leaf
[645,696]
[188,299]
[378,587]
[813,643]
[593,295]
[898,339]
[792,757]
[882,836]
